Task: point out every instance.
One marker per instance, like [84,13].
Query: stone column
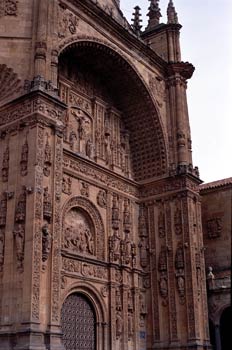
[217,337]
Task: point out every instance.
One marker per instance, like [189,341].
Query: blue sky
[206,42]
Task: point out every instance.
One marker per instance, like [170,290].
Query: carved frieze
[84,269]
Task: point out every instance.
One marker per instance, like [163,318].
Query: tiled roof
[215,184]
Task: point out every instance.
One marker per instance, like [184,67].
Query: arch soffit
[113,50]
[92,294]
[87,206]
[215,318]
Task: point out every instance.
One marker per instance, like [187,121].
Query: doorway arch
[78,322]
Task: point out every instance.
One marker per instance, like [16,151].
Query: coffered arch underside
[130,95]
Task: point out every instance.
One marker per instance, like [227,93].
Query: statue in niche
[163,287]
[5,165]
[107,150]
[21,207]
[118,300]
[179,260]
[143,246]
[119,325]
[115,246]
[2,243]
[126,216]
[178,221]
[181,285]
[90,149]
[130,301]
[161,224]
[162,263]
[19,236]
[126,249]
[142,223]
[130,325]
[67,185]
[47,152]
[46,242]
[73,141]
[115,212]
[83,132]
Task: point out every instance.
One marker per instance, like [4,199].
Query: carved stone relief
[214,227]
[68,23]
[84,189]
[102,199]
[79,235]
[83,231]
[24,159]
[47,205]
[5,165]
[19,238]
[180,274]
[47,158]
[67,185]
[8,8]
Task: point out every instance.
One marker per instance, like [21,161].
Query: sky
[206,43]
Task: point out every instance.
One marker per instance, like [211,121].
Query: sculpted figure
[90,149]
[119,324]
[143,252]
[46,242]
[89,240]
[19,234]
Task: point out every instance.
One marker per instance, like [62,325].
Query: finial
[172,14]
[154,14]
[136,20]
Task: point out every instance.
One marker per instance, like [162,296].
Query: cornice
[113,27]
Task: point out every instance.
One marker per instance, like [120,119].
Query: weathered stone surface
[98,194]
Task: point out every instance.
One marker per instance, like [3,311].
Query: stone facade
[217,228]
[100,203]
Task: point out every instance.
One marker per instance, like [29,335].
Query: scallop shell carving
[10,84]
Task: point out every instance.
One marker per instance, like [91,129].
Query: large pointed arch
[148,141]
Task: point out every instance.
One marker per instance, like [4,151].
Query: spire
[154,14]
[136,20]
[172,14]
